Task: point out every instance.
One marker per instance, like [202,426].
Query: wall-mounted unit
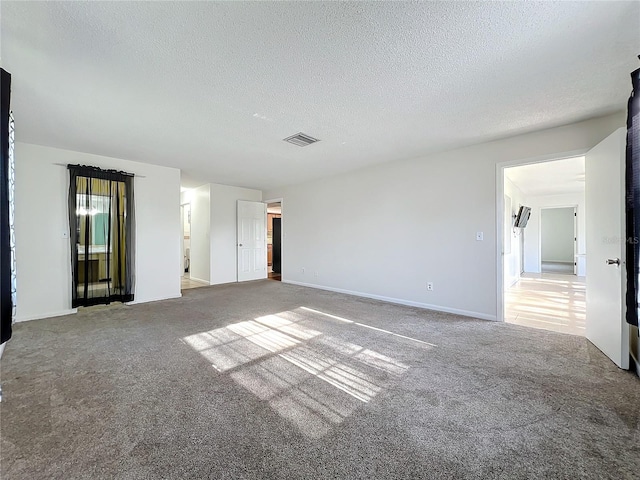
[522,217]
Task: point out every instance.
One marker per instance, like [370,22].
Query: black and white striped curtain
[633,199]
[12,210]
[7,243]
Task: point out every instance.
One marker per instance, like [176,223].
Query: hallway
[549,301]
[186,283]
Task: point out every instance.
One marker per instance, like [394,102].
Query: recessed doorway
[558,237]
[185,274]
[544,260]
[274,240]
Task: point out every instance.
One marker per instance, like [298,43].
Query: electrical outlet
[315,274]
[303,270]
[430,286]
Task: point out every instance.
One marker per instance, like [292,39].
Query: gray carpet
[257,381]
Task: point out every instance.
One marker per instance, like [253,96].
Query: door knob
[613,261]
[239,244]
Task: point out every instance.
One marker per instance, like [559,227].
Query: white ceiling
[549,178]
[213,88]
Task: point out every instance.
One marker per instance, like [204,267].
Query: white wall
[200,234]
[42,228]
[512,247]
[386,230]
[532,231]
[556,235]
[224,266]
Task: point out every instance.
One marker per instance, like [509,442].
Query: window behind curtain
[101,233]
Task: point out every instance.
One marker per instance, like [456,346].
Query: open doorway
[563,304]
[544,257]
[185,243]
[558,237]
[185,215]
[274,240]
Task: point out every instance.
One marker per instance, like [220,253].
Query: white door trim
[181,241]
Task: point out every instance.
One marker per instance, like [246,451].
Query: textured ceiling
[213,88]
[549,178]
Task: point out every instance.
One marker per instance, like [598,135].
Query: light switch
[479,236]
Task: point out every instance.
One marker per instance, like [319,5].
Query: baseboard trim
[399,301]
[206,282]
[637,362]
[147,300]
[41,316]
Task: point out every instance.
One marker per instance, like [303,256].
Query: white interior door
[252,240]
[604,202]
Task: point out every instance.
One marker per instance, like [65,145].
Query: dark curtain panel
[101,224]
[633,199]
[277,245]
[6,300]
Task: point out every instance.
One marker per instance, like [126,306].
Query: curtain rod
[66,165]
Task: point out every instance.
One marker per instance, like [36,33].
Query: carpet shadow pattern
[293,367]
[270,380]
[551,302]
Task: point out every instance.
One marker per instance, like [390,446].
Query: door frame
[279,200]
[500,167]
[182,240]
[575,234]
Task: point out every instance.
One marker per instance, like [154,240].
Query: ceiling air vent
[301,139]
